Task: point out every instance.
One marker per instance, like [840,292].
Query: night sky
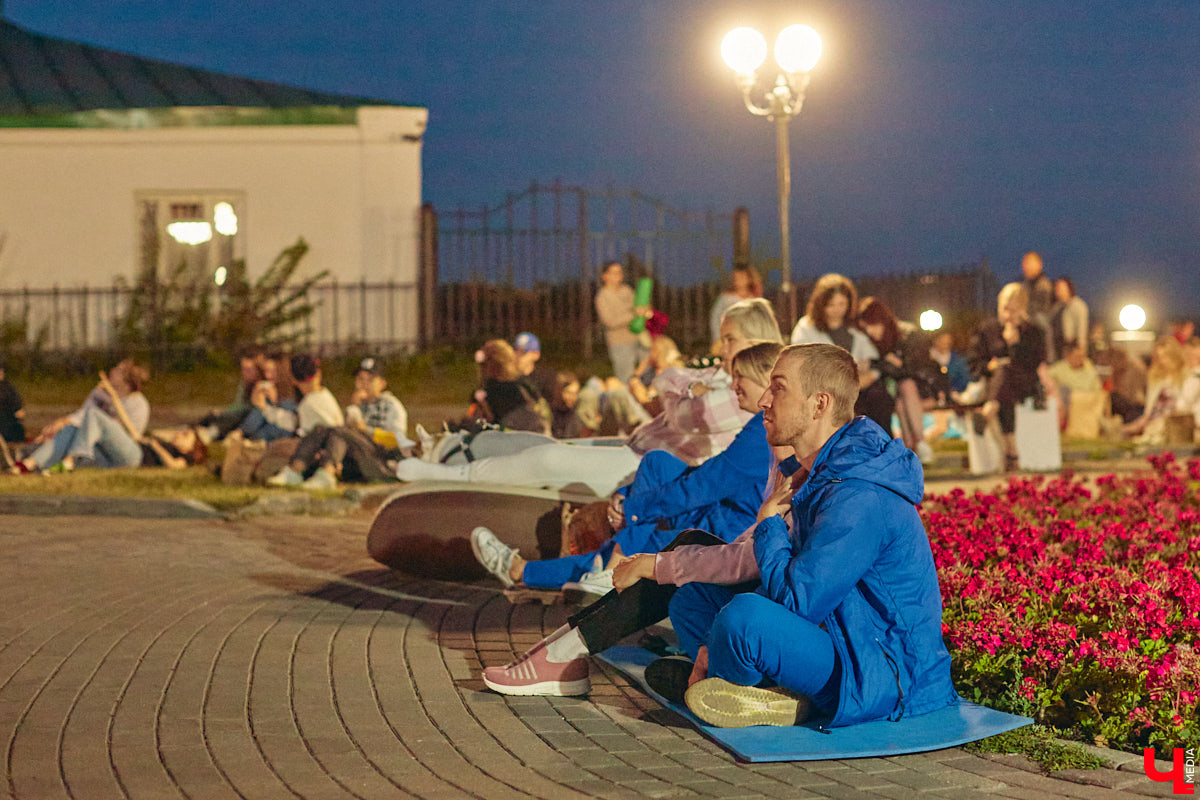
[934,132]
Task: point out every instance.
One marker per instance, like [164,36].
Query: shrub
[1078,607]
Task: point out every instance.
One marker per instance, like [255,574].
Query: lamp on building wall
[797,50]
[190,232]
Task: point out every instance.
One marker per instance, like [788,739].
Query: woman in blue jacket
[667,496]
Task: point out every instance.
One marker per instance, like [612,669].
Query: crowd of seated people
[914,385]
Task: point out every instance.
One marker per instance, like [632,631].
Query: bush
[1079,608]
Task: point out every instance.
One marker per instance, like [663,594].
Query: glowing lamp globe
[744,50]
[797,49]
[1132,317]
[930,320]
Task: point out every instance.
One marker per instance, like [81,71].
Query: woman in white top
[830,319]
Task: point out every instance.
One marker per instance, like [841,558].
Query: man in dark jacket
[848,614]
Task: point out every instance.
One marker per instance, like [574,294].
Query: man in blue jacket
[848,614]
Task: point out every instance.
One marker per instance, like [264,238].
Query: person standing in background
[1041,300]
[614,307]
[1069,319]
[744,283]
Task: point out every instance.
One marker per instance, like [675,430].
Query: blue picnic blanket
[947,727]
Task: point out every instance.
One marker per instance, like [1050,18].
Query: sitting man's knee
[741,614]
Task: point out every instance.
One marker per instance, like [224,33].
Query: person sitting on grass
[375,432]
[217,424]
[505,396]
[829,601]
[109,431]
[273,403]
[666,497]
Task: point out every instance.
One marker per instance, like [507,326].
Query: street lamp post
[797,49]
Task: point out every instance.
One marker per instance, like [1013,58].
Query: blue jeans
[255,426]
[752,639]
[98,438]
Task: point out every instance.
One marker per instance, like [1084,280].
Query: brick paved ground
[270,658]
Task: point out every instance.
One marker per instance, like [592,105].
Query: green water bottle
[641,298]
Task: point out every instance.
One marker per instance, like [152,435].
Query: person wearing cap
[529,351]
[375,431]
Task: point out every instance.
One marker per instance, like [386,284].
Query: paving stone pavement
[270,658]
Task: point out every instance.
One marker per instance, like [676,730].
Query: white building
[110,162]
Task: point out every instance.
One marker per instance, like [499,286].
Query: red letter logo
[1176,775]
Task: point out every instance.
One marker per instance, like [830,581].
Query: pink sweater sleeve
[720,563]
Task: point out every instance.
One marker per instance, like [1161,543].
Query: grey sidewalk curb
[54,505]
[1124,771]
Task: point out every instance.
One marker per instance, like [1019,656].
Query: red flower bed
[1079,607]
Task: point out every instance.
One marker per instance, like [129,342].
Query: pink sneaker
[533,674]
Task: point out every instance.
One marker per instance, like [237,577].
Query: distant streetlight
[797,50]
[931,320]
[1132,317]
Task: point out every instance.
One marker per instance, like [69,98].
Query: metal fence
[552,234]
[467,313]
[375,315]
[347,316]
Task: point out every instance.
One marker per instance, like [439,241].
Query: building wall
[67,198]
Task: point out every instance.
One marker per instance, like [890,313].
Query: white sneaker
[286,477]
[321,480]
[495,556]
[597,582]
[925,453]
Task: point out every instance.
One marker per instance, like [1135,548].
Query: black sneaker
[669,677]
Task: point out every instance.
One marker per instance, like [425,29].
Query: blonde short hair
[826,368]
[755,361]
[755,320]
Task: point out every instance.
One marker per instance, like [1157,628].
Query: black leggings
[1007,414]
[618,614]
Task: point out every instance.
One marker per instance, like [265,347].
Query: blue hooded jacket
[859,562]
[721,495]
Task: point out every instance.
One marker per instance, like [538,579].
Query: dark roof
[43,75]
